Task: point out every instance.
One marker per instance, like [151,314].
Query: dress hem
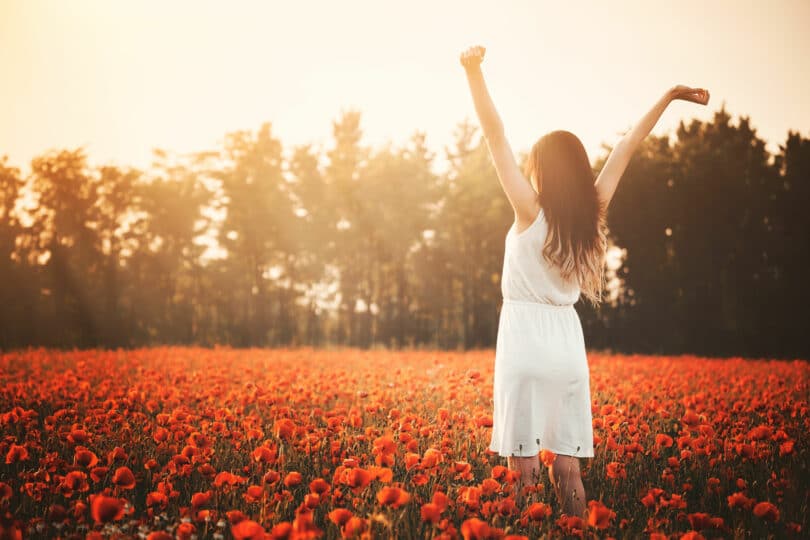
[536,452]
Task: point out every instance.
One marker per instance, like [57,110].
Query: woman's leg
[567,481]
[529,469]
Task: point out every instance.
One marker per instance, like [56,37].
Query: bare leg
[529,469]
[567,481]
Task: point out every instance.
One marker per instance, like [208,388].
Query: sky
[121,78]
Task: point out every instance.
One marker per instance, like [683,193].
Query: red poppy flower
[499,472]
[616,470]
[690,418]
[78,435]
[284,428]
[293,479]
[663,440]
[311,501]
[383,474]
[354,527]
[357,478]
[392,496]
[419,479]
[739,500]
[124,478]
[538,511]
[97,473]
[84,457]
[156,498]
[116,454]
[766,511]
[247,530]
[74,481]
[599,515]
[106,509]
[490,486]
[16,453]
[185,531]
[431,458]
[280,531]
[319,486]
[411,460]
[476,529]
[431,512]
[200,499]
[700,520]
[263,454]
[226,478]
[547,457]
[440,500]
[339,516]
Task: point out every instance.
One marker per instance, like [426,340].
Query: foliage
[371,247]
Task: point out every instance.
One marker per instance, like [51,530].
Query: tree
[115,212]
[166,263]
[258,233]
[17,301]
[348,239]
[66,220]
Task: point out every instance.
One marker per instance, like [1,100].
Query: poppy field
[175,442]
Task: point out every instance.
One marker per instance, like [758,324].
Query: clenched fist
[472,57]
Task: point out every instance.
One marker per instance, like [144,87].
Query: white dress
[542,396]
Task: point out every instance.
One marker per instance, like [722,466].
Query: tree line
[368,247]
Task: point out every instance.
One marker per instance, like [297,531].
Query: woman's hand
[686,93]
[472,57]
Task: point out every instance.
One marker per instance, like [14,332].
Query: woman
[554,251]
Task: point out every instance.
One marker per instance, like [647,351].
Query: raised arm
[620,156]
[518,190]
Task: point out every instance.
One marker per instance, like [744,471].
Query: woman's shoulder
[523,227]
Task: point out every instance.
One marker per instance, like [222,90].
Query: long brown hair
[576,216]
